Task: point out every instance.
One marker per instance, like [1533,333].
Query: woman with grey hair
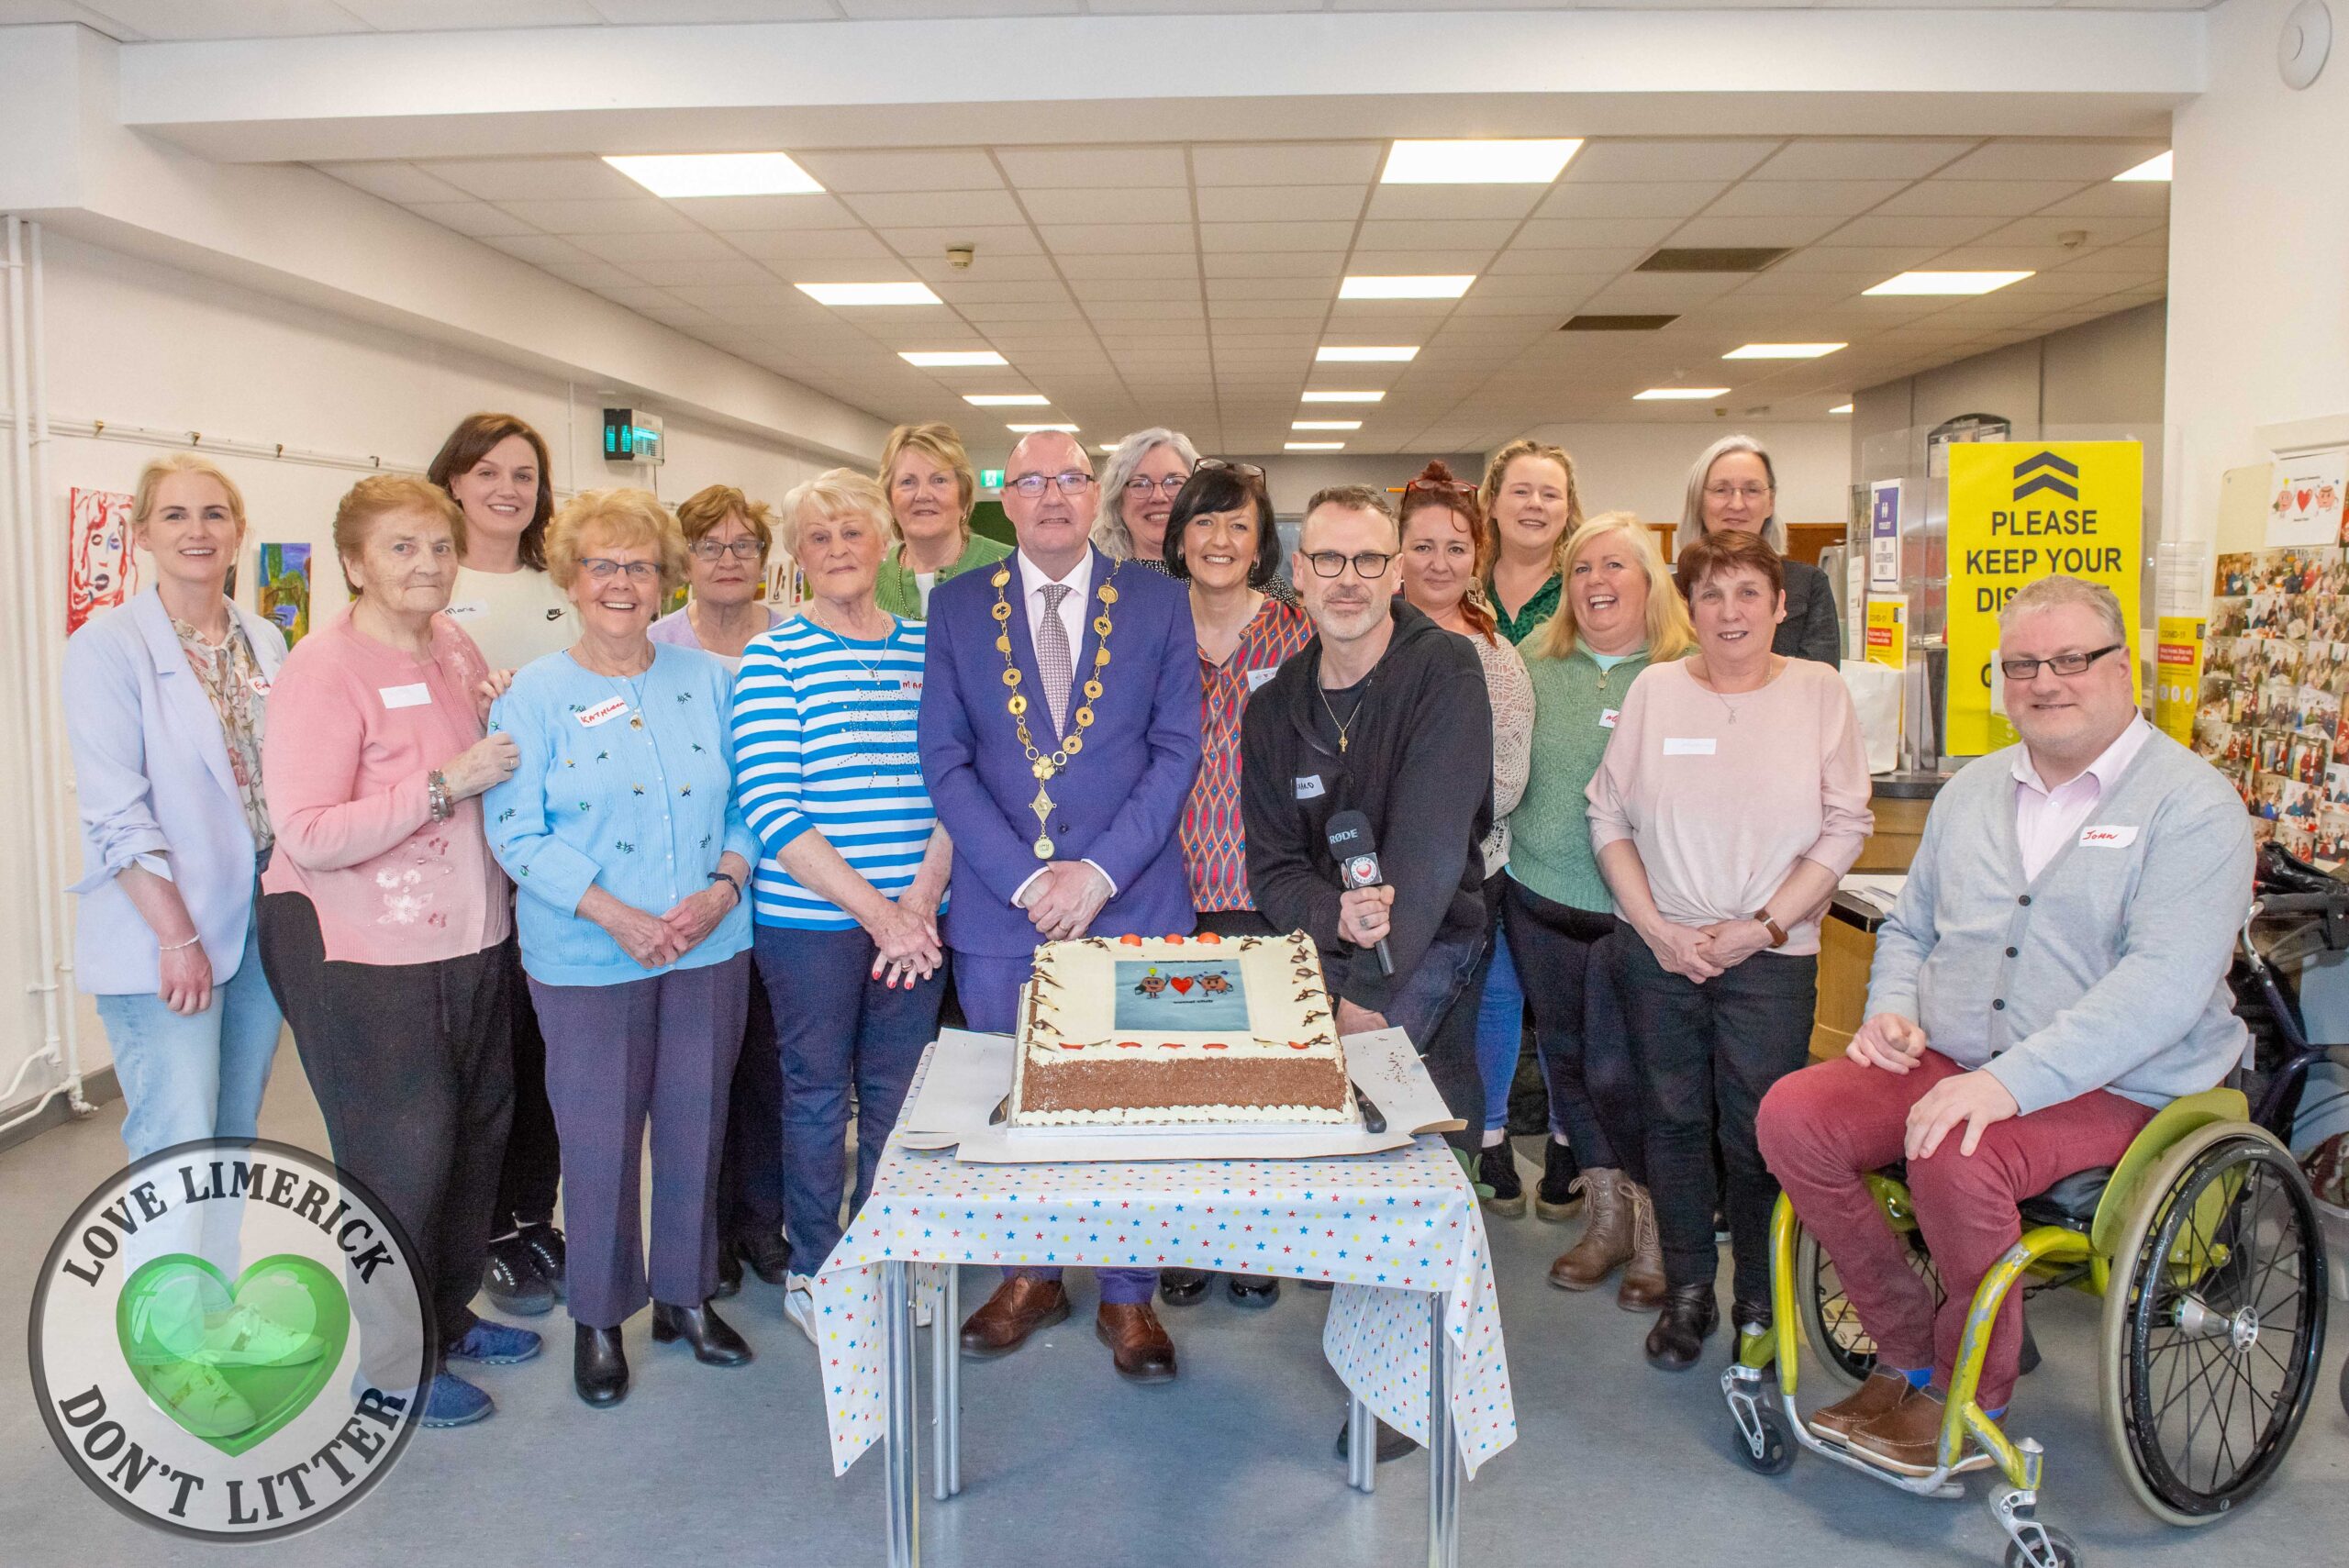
[1735,485]
[1138,491]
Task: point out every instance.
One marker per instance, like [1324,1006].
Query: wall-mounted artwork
[285,589]
[101,569]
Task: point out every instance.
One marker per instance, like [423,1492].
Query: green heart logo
[232,1366]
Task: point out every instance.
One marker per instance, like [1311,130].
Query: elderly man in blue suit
[1060,738]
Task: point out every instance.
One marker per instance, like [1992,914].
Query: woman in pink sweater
[1733,798]
[387,927]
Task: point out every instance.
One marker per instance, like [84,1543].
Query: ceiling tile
[587,273]
[218,18]
[1116,205]
[394,181]
[1861,158]
[1990,199]
[744,214]
[647,214]
[1878,228]
[535,179]
[1803,198]
[2147,199]
[1652,198]
[1271,288]
[1063,168]
[1267,310]
[1707,231]
[478,219]
[730,270]
[964,291]
[931,208]
[1448,204]
[1274,237]
[1692,159]
[1116,238]
[812,245]
[985,240]
[1289,163]
[1328,264]
[1479,236]
[943,170]
[692,245]
[2042,229]
[1280,204]
[1641,234]
[1180,263]
[988,265]
[2025,157]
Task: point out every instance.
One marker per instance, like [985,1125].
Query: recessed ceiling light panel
[1840,408]
[2153,170]
[1945,283]
[1325,424]
[947,359]
[1449,285]
[688,174]
[1313,446]
[1344,398]
[1393,354]
[1783,350]
[1679,394]
[1520,162]
[1007,400]
[1031,430]
[851,295]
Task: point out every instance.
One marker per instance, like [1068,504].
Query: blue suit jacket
[1119,801]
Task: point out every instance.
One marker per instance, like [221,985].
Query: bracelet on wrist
[436,791]
[730,879]
[182,947]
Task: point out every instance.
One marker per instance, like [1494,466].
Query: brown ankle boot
[1606,1243]
[1643,1288]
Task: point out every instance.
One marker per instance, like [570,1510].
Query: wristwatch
[1777,932]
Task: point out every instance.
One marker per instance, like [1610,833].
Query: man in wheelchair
[2054,974]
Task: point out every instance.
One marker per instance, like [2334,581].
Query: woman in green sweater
[1619,611]
[931,488]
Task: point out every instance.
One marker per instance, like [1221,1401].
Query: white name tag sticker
[1256,678]
[1688,746]
[260,686]
[416,695]
[1607,715]
[466,609]
[2108,836]
[1309,788]
[603,712]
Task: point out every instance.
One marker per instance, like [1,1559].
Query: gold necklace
[1323,692]
[1042,766]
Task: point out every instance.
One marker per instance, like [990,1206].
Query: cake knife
[1372,1119]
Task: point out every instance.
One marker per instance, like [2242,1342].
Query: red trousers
[1824,1127]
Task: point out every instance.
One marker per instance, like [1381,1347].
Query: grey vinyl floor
[1615,1463]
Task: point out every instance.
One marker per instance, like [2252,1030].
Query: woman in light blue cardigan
[164,702]
[621,833]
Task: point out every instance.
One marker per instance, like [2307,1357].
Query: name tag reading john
[1688,746]
[603,712]
[2108,836]
[416,695]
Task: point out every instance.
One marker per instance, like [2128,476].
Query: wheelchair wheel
[1845,1352]
[2213,1323]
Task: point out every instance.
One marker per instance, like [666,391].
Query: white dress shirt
[1032,579]
[2044,818]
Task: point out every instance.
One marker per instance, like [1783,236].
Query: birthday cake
[1185,1030]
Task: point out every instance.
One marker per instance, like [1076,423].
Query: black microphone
[1356,853]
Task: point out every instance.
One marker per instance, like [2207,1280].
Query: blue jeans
[201,1076]
[1500,1031]
[836,1026]
[1435,1006]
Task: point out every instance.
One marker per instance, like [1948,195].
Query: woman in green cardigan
[1618,610]
[931,488]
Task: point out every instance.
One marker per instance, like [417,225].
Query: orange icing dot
[1210,938]
[1214,1045]
[1131,941]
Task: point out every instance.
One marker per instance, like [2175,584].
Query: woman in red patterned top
[1221,542]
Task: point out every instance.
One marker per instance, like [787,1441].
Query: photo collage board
[2272,684]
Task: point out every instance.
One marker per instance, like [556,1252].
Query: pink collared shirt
[2045,818]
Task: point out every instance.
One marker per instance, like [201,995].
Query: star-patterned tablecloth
[1385,1229]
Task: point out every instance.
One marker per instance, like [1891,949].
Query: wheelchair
[2203,1243]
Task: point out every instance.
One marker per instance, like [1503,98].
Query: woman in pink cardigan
[387,927]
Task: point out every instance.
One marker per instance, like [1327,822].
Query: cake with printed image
[1179,1031]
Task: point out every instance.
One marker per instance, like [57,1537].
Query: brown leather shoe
[1606,1243]
[1876,1397]
[1138,1347]
[1906,1439]
[1644,1284]
[1020,1305]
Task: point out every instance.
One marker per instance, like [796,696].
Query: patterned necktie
[1056,661]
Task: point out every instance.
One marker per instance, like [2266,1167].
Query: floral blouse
[230,675]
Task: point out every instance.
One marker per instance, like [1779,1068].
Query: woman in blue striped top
[853,862]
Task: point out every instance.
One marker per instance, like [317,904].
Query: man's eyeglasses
[1169,486]
[1730,491]
[1369,564]
[1075,482]
[2062,663]
[603,570]
[740,548]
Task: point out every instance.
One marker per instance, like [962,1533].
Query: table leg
[901,1441]
[1443,1457]
[1362,1445]
[946,1389]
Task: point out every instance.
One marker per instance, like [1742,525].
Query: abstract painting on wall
[101,569]
[283,596]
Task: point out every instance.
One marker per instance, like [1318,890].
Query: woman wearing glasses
[931,488]
[619,830]
[727,536]
[1734,486]
[1442,565]
[1530,507]
[1145,473]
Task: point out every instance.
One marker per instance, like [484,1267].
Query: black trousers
[1708,1053]
[532,1167]
[749,1170]
[412,1068]
[1567,963]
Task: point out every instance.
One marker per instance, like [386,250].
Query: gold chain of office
[1042,765]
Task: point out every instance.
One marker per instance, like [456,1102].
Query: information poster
[2177,675]
[1884,535]
[1888,630]
[2020,511]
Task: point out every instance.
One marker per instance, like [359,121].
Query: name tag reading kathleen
[603,712]
[1688,746]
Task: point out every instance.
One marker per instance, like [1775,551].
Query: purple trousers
[988,989]
[662,1049]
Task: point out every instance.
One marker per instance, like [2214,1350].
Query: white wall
[1644,468]
[2258,256]
[2106,371]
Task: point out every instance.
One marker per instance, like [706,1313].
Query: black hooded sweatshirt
[1418,762]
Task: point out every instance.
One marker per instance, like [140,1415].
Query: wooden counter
[1847,936]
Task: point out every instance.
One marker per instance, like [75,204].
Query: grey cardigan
[2107,970]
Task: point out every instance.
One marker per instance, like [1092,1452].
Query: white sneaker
[799,1303]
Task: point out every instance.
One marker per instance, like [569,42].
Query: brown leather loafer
[1906,1439]
[1020,1305]
[1138,1347]
[1876,1397]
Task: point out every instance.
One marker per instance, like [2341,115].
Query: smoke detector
[959,257]
[2302,45]
[2072,238]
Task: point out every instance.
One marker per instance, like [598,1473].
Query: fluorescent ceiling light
[1679,394]
[1031,430]
[942,359]
[1007,400]
[1394,354]
[2151,169]
[1345,397]
[869,293]
[1783,350]
[1840,408]
[1108,449]
[718,174]
[1325,424]
[1477,162]
[1946,283]
[1313,446]
[1449,285]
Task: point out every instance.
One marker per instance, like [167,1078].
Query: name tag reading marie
[416,695]
[1688,746]
[2108,836]
[603,712]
